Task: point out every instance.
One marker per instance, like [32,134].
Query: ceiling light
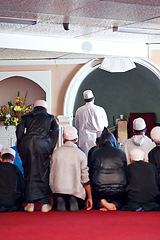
[117,64]
[136,30]
[17,20]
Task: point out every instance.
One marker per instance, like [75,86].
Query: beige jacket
[69,170]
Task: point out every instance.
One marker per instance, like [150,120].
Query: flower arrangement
[11,113]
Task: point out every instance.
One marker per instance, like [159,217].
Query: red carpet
[84,225]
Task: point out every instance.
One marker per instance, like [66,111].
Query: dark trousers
[133,206]
[42,201]
[118,198]
[66,197]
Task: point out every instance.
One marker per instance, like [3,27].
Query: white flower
[8,116]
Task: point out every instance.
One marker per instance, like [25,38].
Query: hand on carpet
[89,204]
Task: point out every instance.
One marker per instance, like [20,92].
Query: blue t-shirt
[18,161]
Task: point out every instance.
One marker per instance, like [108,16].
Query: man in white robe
[89,119]
[139,140]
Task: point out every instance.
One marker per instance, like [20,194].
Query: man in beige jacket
[69,178]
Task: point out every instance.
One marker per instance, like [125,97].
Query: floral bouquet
[11,113]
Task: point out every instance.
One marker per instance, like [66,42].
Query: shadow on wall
[137,90]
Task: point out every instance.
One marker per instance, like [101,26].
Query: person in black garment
[11,183]
[154,154]
[106,172]
[142,189]
[37,135]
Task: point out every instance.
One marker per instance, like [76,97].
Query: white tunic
[89,119]
[146,145]
[69,171]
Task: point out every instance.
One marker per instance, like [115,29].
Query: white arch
[73,87]
[148,65]
[75,83]
[42,78]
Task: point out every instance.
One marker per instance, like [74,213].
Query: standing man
[37,135]
[89,119]
[139,140]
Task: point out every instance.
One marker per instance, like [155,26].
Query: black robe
[107,175]
[37,135]
[154,158]
[11,188]
[142,189]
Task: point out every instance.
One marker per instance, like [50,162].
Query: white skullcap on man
[88,94]
[8,150]
[40,103]
[155,134]
[1,147]
[139,124]
[70,133]
[136,154]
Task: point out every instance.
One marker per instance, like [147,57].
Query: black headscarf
[108,137]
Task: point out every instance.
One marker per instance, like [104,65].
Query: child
[17,160]
[11,183]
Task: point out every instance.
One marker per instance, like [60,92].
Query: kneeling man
[142,189]
[69,177]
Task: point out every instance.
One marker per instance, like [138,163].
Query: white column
[63,121]
[8,136]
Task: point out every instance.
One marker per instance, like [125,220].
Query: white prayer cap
[1,147]
[88,94]
[70,133]
[8,150]
[40,103]
[139,124]
[155,134]
[136,154]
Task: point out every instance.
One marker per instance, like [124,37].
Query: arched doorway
[39,78]
[92,67]
[35,81]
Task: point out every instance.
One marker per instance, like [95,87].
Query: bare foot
[108,206]
[103,209]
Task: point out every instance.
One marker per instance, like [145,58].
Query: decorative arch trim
[41,78]
[75,83]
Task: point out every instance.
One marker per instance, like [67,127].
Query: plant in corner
[11,113]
